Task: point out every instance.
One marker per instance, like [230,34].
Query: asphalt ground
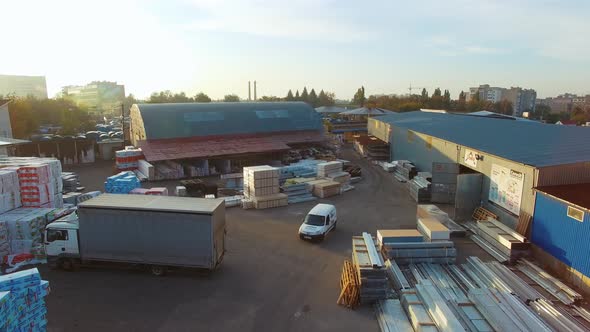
[270,280]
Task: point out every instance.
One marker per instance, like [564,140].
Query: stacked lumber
[327,169]
[326,188]
[349,286]
[261,187]
[370,269]
[505,240]
[297,192]
[427,211]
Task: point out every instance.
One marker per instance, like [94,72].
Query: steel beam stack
[371,269]
[501,241]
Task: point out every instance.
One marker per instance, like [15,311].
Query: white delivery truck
[158,232]
[318,222]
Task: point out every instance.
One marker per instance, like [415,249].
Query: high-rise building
[523,100]
[100,97]
[23,86]
[566,102]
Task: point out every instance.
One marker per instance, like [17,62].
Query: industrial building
[513,157]
[100,97]
[229,131]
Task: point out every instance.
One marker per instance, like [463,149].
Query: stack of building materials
[127,160]
[197,168]
[297,192]
[22,303]
[40,183]
[261,186]
[326,188]
[138,191]
[404,170]
[302,168]
[157,191]
[430,211]
[168,170]
[371,270]
[444,182]
[378,151]
[417,312]
[86,196]
[122,183]
[409,246]
[552,285]
[328,169]
[180,191]
[433,230]
[391,316]
[71,181]
[499,239]
[231,201]
[148,170]
[419,188]
[232,181]
[9,190]
[388,167]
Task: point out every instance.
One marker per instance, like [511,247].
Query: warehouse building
[223,131]
[561,229]
[502,160]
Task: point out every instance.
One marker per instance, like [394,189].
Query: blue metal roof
[528,142]
[204,119]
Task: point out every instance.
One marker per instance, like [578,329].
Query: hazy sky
[216,46]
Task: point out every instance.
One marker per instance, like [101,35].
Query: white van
[318,222]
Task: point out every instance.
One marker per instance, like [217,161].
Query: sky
[217,46]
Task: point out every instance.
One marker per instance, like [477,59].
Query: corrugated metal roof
[367,111]
[162,121]
[217,146]
[527,142]
[574,193]
[330,109]
[153,203]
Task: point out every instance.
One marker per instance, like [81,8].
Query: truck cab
[61,244]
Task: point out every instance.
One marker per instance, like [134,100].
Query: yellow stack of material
[326,188]
[261,187]
[270,201]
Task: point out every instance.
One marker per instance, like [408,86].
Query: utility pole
[123,122]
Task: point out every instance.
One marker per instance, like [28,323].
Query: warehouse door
[468,195]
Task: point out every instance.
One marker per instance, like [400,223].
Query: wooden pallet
[350,293]
[482,214]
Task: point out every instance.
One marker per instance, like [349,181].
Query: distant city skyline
[218,46]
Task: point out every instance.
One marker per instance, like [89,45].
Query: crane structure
[410,88]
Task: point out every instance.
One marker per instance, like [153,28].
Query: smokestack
[254,90]
[249,92]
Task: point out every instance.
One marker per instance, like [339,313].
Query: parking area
[269,280]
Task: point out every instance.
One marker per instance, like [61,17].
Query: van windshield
[315,220]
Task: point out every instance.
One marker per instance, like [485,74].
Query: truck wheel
[158,270]
[67,264]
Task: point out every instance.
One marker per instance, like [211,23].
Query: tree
[290,96]
[461,102]
[359,97]
[297,96]
[231,98]
[542,112]
[579,115]
[270,98]
[436,101]
[504,106]
[202,98]
[305,95]
[424,94]
[325,99]
[446,100]
[313,98]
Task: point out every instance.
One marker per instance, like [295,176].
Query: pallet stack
[326,188]
[328,169]
[22,304]
[261,187]
[10,197]
[297,192]
[370,268]
[127,160]
[349,287]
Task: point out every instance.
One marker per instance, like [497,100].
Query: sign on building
[506,188]
[470,158]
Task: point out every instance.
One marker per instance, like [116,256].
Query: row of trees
[312,98]
[26,114]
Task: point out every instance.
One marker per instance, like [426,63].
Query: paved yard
[269,280]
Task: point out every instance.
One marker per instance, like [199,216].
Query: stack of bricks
[261,186]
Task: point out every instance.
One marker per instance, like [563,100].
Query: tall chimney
[254,90]
[249,92]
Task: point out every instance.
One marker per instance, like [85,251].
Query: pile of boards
[500,240]
[370,268]
[127,159]
[121,183]
[22,303]
[297,192]
[405,170]
[419,187]
[261,188]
